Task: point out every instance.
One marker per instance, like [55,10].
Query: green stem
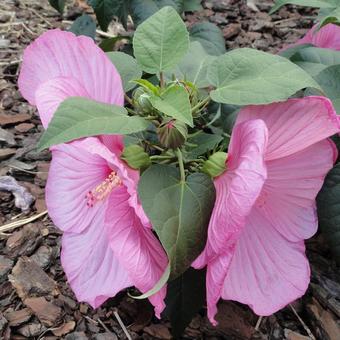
[128,99]
[181,164]
[200,104]
[161,79]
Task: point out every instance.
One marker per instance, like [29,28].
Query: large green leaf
[192,5]
[161,41]
[210,36]
[329,210]
[245,76]
[194,66]
[307,3]
[106,9]
[185,297]
[179,212]
[143,9]
[329,80]
[78,117]
[203,143]
[59,5]
[84,25]
[332,16]
[127,67]
[313,60]
[174,102]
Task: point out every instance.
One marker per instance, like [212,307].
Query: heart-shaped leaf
[329,80]
[161,41]
[179,212]
[210,37]
[174,102]
[84,25]
[245,76]
[329,210]
[127,67]
[78,117]
[307,3]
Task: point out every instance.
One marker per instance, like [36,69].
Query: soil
[35,300]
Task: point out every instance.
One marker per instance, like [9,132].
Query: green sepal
[136,157]
[172,133]
[215,165]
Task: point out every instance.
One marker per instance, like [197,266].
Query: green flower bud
[136,157]
[172,133]
[141,100]
[216,164]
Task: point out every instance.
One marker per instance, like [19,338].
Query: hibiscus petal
[137,248]
[267,271]
[295,124]
[74,171]
[288,196]
[237,189]
[52,92]
[327,37]
[93,271]
[62,54]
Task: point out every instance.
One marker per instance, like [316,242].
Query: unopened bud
[141,100]
[172,133]
[216,164]
[136,157]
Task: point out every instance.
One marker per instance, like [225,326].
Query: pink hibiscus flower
[327,37]
[265,207]
[91,194]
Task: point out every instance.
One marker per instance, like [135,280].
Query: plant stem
[200,104]
[161,79]
[128,99]
[181,164]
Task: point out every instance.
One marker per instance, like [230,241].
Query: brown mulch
[35,300]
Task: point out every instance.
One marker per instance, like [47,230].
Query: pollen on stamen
[100,192]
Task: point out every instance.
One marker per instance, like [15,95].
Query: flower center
[100,192]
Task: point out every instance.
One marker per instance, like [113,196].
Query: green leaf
[306,3]
[245,76]
[329,210]
[204,142]
[161,41]
[289,52]
[78,117]
[84,25]
[313,60]
[59,5]
[107,45]
[148,86]
[127,67]
[332,17]
[192,5]
[193,67]
[329,80]
[174,102]
[210,37]
[179,212]
[143,9]
[107,9]
[185,297]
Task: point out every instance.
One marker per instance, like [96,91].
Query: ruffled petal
[327,37]
[93,271]
[136,247]
[295,124]
[288,196]
[75,171]
[50,94]
[62,54]
[237,189]
[267,271]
